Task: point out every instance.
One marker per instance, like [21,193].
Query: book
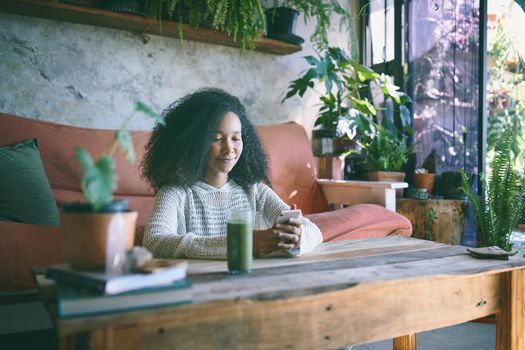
[73,302]
[110,284]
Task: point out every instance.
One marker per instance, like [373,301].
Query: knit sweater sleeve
[166,237]
[271,205]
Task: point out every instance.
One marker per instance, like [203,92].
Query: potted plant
[422,178]
[385,152]
[100,228]
[499,205]
[425,177]
[322,12]
[245,20]
[345,107]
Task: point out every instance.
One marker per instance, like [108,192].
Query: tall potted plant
[346,110]
[499,206]
[345,106]
[99,225]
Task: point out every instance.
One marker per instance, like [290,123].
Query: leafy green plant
[100,179]
[345,107]
[324,12]
[384,150]
[499,206]
[245,20]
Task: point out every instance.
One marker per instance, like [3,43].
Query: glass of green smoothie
[239,242]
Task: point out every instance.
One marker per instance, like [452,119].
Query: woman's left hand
[288,234]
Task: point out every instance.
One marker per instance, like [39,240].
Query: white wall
[90,76]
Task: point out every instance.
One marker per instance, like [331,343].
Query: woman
[208,160]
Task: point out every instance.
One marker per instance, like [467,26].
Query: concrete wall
[90,76]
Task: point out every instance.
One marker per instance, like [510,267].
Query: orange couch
[292,173]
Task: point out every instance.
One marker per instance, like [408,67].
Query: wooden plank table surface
[345,292]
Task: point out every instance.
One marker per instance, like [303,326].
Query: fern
[499,206]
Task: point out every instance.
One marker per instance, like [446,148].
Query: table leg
[510,321]
[407,342]
[111,338]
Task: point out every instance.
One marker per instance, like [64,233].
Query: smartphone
[288,214]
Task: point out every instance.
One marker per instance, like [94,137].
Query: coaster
[493,252]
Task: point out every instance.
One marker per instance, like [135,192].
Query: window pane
[381,29]
[443,58]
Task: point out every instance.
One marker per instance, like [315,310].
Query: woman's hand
[264,242]
[288,234]
[283,236]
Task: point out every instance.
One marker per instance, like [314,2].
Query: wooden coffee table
[346,292]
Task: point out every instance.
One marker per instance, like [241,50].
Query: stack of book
[85,293]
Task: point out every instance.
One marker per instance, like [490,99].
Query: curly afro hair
[176,153]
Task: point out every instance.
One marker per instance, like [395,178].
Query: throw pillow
[25,194]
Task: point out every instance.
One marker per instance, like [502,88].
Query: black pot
[450,185]
[117,206]
[280,24]
[281,20]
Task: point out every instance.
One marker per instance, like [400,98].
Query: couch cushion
[292,168]
[361,221]
[57,144]
[22,247]
[25,194]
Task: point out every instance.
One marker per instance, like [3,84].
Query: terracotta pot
[85,237]
[424,181]
[392,176]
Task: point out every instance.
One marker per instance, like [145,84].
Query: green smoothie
[239,247]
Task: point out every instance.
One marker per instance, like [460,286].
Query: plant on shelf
[245,20]
[499,206]
[343,86]
[323,12]
[385,150]
[97,232]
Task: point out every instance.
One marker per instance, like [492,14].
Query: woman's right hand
[264,242]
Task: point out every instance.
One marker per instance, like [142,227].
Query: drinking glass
[239,242]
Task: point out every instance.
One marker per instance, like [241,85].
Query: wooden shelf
[104,18]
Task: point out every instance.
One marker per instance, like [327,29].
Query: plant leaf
[125,143]
[141,107]
[99,180]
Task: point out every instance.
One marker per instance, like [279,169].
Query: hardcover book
[74,302]
[110,284]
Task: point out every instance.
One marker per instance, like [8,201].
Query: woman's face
[225,149]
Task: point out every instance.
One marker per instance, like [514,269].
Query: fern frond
[500,204]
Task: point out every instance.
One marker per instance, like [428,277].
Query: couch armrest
[353,192]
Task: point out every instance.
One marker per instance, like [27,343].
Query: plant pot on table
[425,181]
[94,240]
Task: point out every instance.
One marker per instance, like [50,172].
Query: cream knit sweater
[190,222]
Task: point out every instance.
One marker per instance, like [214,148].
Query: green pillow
[25,194]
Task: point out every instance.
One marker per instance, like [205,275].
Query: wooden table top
[339,265]
[378,288]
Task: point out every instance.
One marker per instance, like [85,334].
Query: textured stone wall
[90,76]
